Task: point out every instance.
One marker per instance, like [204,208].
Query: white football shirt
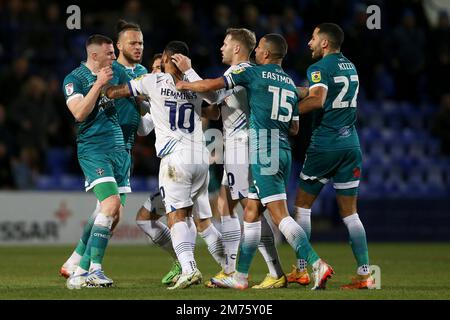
[176,114]
[235,110]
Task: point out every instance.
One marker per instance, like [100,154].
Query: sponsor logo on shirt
[69,88]
[316,76]
[239,70]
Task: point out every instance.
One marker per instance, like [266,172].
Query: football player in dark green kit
[130,44]
[100,149]
[334,151]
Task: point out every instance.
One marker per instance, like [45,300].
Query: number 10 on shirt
[182,110]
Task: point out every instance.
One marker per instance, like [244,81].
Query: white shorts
[202,208]
[155,204]
[236,168]
[181,184]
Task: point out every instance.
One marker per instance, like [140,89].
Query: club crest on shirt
[69,88]
[316,76]
[100,171]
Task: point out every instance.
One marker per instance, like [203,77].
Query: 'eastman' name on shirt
[277,77]
[185,95]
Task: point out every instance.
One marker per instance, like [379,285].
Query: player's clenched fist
[181,85]
[104,76]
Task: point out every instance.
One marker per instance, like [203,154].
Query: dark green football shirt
[273,100]
[129,115]
[334,125]
[100,132]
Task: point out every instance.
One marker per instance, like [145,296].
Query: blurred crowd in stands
[406,61]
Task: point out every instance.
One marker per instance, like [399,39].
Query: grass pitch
[408,271]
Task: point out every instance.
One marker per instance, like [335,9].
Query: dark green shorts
[269,181]
[343,166]
[107,167]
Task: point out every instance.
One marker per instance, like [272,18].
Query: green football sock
[99,241]
[358,240]
[248,246]
[298,240]
[82,243]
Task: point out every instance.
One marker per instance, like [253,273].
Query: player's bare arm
[203,85]
[120,91]
[294,127]
[211,112]
[303,92]
[314,100]
[83,106]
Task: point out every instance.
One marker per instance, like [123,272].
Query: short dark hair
[243,36]
[98,39]
[334,34]
[277,44]
[155,57]
[123,26]
[174,47]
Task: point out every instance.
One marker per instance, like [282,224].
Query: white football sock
[213,240]
[303,218]
[231,236]
[181,240]
[192,232]
[158,233]
[268,249]
[74,259]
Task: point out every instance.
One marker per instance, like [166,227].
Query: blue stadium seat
[138,184]
[377,148]
[433,147]
[47,183]
[57,160]
[152,184]
[72,182]
[368,135]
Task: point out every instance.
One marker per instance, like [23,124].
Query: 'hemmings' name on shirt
[178,95]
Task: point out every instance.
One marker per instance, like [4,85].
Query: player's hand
[182,62]
[181,85]
[104,76]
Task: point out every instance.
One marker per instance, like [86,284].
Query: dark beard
[130,57]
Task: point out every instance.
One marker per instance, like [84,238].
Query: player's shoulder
[239,68]
[117,65]
[147,77]
[140,69]
[318,65]
[118,68]
[77,74]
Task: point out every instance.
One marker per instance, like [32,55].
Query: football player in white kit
[183,174]
[237,47]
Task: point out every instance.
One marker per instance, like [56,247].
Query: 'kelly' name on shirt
[178,95]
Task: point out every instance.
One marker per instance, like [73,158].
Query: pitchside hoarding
[58,218]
